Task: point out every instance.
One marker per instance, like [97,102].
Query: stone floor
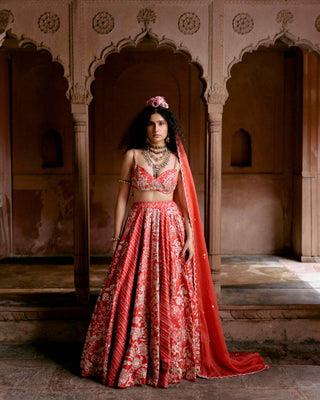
[51,371]
[269,280]
[245,280]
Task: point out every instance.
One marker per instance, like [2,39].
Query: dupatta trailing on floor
[216,361]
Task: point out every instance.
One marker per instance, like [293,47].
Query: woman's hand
[180,198]
[188,250]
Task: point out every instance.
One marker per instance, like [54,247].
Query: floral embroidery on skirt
[145,326]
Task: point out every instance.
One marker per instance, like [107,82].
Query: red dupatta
[216,361]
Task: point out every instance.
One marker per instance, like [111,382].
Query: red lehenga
[156,320]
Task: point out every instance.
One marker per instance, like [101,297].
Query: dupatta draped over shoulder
[216,361]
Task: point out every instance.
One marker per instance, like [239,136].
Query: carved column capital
[2,37]
[6,17]
[78,94]
[216,94]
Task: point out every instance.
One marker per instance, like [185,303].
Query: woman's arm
[122,197]
[180,198]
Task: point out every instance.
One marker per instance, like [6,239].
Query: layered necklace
[157,157]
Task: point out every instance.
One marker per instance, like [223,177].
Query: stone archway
[82,97]
[121,88]
[33,102]
[304,232]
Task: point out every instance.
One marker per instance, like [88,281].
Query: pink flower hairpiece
[157,101]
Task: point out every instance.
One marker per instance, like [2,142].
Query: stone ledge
[227,313]
[286,312]
[310,259]
[12,313]
[285,324]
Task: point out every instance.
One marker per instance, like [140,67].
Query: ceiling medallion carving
[49,22]
[6,16]
[189,23]
[103,22]
[317,23]
[146,17]
[284,17]
[242,23]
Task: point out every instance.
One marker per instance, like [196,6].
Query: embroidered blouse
[165,183]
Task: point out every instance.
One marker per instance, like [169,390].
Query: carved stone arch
[159,43]
[23,43]
[11,43]
[295,139]
[286,37]
[210,94]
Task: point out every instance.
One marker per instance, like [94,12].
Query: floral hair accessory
[157,101]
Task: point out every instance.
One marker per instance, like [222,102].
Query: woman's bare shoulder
[176,161]
[132,152]
[128,158]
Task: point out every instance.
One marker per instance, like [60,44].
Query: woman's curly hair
[136,137]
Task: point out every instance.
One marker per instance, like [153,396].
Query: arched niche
[241,150]
[120,89]
[40,200]
[51,149]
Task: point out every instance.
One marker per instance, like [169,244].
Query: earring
[167,139]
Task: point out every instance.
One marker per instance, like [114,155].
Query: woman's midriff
[151,195]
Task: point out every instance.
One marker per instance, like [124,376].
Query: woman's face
[157,129]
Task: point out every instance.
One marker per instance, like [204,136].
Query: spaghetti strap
[134,157]
[175,163]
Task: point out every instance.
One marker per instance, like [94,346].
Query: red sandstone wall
[42,197]
[257,200]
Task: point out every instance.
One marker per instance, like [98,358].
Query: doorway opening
[37,171]
[36,176]
[120,90]
[259,196]
[262,203]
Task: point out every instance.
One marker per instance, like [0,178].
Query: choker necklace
[155,147]
[156,152]
[156,167]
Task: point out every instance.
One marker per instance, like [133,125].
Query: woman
[156,320]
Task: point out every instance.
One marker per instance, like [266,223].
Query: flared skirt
[145,326]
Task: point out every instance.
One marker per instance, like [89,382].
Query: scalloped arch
[24,42]
[286,37]
[129,42]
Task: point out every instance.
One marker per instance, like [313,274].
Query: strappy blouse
[165,183]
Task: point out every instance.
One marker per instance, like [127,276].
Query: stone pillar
[213,193]
[81,202]
[310,218]
[5,157]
